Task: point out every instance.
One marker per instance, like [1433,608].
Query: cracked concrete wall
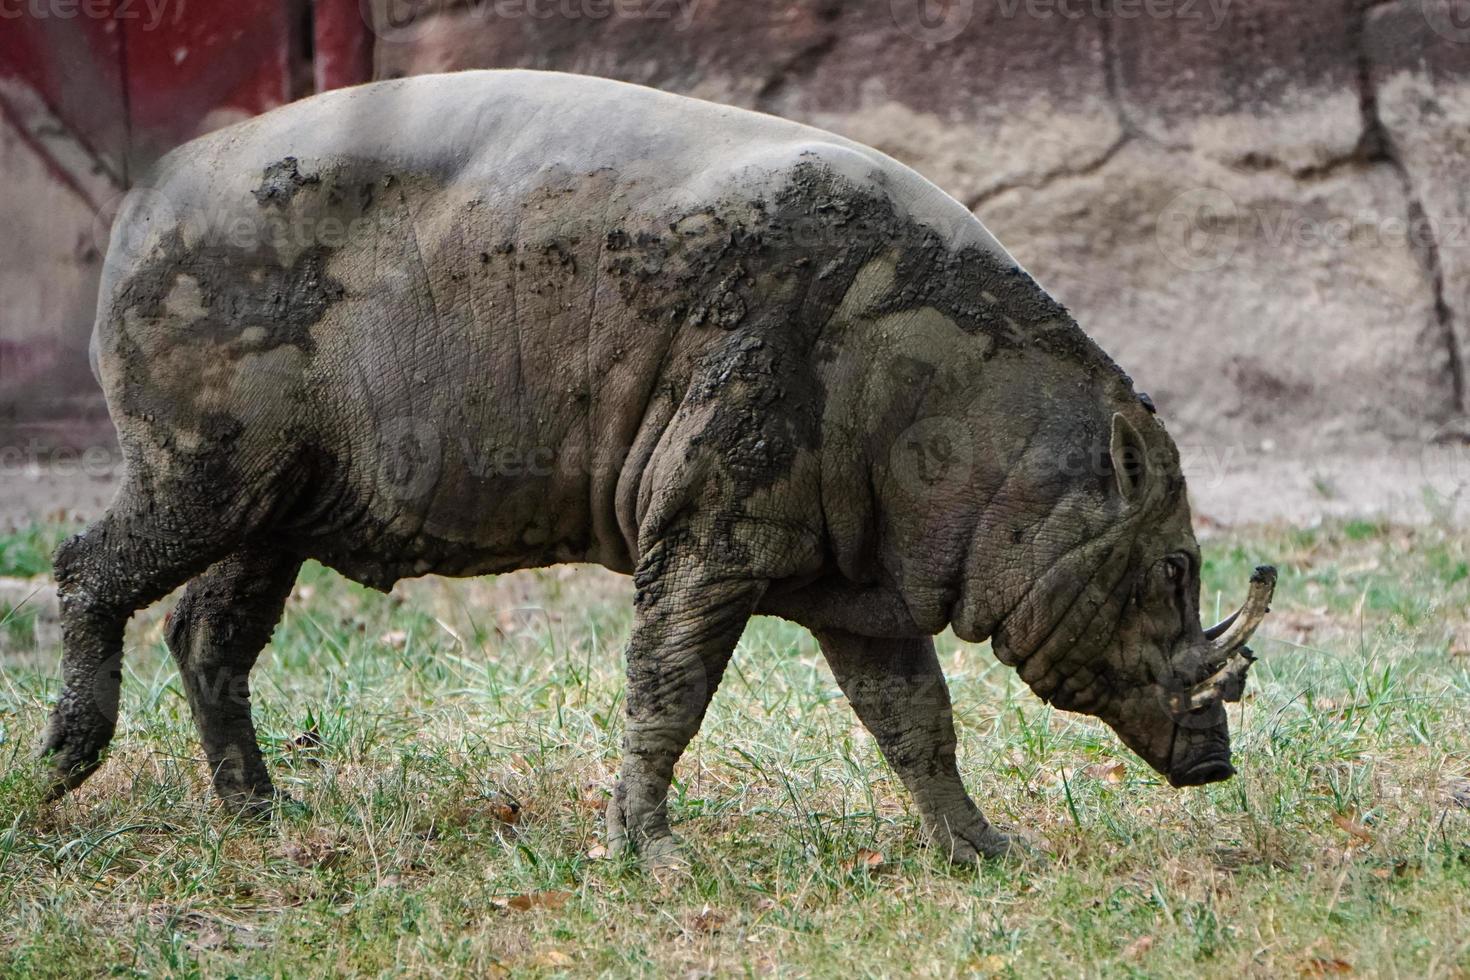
[1250,203]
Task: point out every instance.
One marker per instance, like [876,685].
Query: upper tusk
[1213,633]
[1236,631]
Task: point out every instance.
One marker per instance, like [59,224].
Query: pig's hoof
[67,758]
[988,844]
[655,852]
[259,806]
[62,773]
[663,855]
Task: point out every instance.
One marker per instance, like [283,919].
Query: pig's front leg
[898,691]
[688,617]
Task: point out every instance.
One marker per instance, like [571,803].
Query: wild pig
[470,323]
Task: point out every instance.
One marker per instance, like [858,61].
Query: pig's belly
[449,500]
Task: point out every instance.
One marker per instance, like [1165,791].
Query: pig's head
[1112,628]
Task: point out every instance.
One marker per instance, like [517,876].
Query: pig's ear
[1130,460]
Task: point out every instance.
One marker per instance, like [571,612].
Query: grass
[454,744]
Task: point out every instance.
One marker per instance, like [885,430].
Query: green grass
[1338,846]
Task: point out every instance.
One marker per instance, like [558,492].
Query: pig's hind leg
[152,540]
[215,633]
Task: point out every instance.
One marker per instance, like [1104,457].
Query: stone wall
[1260,207]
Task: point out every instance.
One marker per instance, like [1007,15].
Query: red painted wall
[91,93]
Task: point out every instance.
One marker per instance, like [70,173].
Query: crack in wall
[1052,176]
[1113,71]
[1127,131]
[1376,145]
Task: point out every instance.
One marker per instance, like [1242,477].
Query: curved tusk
[1214,632]
[1225,684]
[1234,632]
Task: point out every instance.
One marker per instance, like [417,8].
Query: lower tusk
[1225,684]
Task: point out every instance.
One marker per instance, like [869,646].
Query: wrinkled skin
[473,323]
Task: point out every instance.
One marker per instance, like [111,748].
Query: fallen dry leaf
[533,900]
[1138,947]
[1400,869]
[553,957]
[866,860]
[597,852]
[1324,966]
[1349,825]
[397,639]
[708,920]
[985,966]
[1108,772]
